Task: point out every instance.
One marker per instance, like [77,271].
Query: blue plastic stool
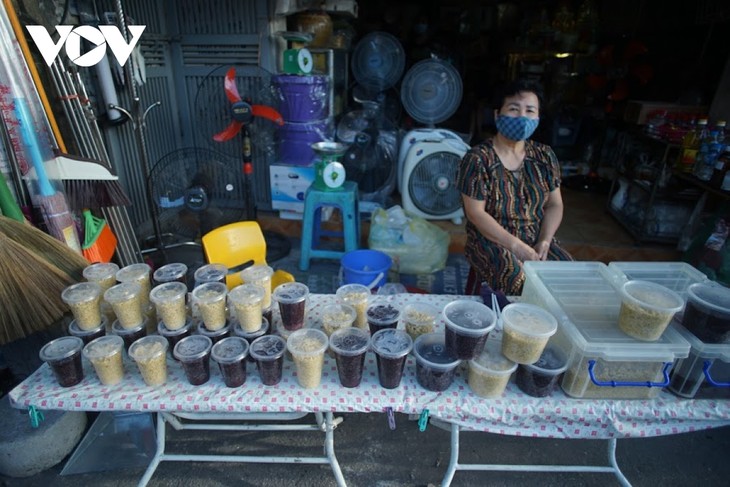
[346,199]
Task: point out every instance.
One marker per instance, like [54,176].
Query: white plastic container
[527,329]
[646,309]
[490,371]
[677,276]
[688,376]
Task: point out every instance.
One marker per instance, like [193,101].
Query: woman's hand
[542,248]
[523,251]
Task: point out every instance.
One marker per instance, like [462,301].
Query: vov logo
[71,36]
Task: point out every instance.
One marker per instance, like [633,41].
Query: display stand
[209,421]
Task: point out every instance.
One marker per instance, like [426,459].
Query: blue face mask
[516,128]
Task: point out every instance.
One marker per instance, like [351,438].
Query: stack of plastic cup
[105,275]
[210,298]
[261,276]
[246,302]
[150,354]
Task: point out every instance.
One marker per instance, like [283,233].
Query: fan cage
[431,184]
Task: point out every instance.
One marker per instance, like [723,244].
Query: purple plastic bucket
[302,98]
[296,139]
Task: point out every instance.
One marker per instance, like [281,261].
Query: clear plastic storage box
[584,298]
[688,377]
[677,276]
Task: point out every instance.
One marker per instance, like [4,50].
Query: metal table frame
[324,422]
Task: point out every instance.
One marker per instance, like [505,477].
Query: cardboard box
[639,112]
[288,186]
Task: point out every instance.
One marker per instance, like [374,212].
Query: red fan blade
[230,86]
[268,113]
[229,132]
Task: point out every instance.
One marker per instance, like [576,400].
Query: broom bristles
[86,193]
[45,246]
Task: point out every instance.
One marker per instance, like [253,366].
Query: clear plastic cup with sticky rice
[84,301]
[210,299]
[260,275]
[140,274]
[126,300]
[105,355]
[150,355]
[169,301]
[246,302]
[357,296]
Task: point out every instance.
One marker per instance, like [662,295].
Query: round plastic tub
[419,319]
[541,378]
[435,364]
[707,314]
[527,329]
[646,309]
[489,372]
[468,324]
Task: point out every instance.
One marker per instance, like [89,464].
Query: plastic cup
[63,355]
[169,301]
[336,317]
[268,351]
[102,273]
[419,319]
[489,372]
[246,302]
[231,353]
[646,309]
[150,354]
[126,301]
[261,276]
[88,335]
[250,337]
[382,316]
[350,346]
[84,300]
[307,347]
[210,298]
[177,271]
[707,313]
[129,335]
[193,353]
[527,329]
[105,354]
[139,273]
[541,378]
[391,348]
[468,324]
[174,336]
[435,364]
[292,299]
[269,317]
[210,273]
[355,295]
[214,335]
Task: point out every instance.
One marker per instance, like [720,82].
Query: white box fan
[429,158]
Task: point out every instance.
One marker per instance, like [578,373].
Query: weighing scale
[329,174]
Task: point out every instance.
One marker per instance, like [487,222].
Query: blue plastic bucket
[302,98]
[367,267]
[296,139]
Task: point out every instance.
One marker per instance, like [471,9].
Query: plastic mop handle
[31,145]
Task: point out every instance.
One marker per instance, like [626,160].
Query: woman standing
[510,189]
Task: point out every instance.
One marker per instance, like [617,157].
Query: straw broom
[30,290]
[43,245]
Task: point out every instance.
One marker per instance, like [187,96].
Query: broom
[43,245]
[99,241]
[30,290]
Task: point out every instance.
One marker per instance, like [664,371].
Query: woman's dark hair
[512,88]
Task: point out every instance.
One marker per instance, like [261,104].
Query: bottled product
[690,146]
[708,152]
[721,167]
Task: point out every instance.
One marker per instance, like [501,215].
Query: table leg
[329,446]
[158,454]
[612,460]
[454,460]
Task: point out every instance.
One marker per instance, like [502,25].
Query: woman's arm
[491,229]
[550,222]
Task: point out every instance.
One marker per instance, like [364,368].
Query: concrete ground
[370,454]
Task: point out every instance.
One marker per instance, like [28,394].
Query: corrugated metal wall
[188,46]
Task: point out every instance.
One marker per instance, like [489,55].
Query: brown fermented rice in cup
[88,335]
[63,355]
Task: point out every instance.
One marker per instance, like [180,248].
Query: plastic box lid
[677,276]
[705,350]
[584,299]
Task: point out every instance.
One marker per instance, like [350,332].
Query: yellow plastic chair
[237,246]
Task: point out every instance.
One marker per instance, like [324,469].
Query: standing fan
[196,190]
[429,158]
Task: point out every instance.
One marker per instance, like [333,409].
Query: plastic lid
[268,347]
[430,350]
[100,271]
[342,314]
[307,341]
[210,292]
[170,272]
[491,359]
[710,295]
[391,343]
[246,294]
[166,332]
[431,91]
[103,347]
[61,348]
[350,341]
[529,319]
[169,291]
[378,61]
[229,350]
[352,293]
[210,273]
[133,272]
[291,292]
[120,293]
[193,347]
[471,318]
[73,328]
[202,330]
[552,361]
[118,329]
[83,292]
[290,79]
[382,313]
[256,273]
[147,348]
[652,296]
[700,348]
[250,336]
